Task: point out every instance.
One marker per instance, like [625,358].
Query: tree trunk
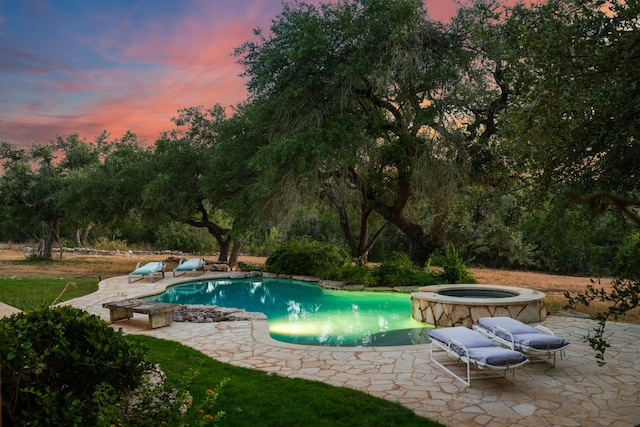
[47,246]
[218,233]
[235,253]
[85,234]
[360,244]
[224,244]
[423,243]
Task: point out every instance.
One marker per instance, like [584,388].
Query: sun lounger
[193,265]
[533,341]
[474,350]
[150,269]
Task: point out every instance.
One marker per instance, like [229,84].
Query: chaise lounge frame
[510,339]
[460,353]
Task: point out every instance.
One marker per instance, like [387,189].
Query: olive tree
[34,181]
[201,176]
[109,190]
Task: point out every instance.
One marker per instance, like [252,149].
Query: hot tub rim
[522,295]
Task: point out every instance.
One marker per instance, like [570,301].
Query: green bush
[400,271]
[185,238]
[53,360]
[454,268]
[352,275]
[626,264]
[305,258]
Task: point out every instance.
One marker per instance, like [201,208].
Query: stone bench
[160,313]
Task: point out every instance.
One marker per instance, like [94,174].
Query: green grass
[257,398]
[25,293]
[251,397]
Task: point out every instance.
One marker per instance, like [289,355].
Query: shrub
[352,275]
[104,243]
[454,268]
[305,258]
[185,238]
[626,264]
[53,360]
[400,271]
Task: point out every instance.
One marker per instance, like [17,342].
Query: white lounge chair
[474,350]
[193,265]
[534,341]
[150,269]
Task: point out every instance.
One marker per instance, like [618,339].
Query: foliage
[307,258]
[264,242]
[184,238]
[569,78]
[325,261]
[486,228]
[104,243]
[157,402]
[54,359]
[567,239]
[351,274]
[34,181]
[313,222]
[202,176]
[454,268]
[391,240]
[387,139]
[626,264]
[569,65]
[624,296]
[399,270]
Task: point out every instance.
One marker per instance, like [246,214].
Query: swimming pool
[305,313]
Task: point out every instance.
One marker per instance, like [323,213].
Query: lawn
[29,292]
[256,398]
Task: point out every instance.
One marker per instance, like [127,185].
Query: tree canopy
[369,92]
[574,119]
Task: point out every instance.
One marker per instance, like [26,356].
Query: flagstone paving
[577,392]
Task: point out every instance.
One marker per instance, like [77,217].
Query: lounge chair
[150,269]
[193,264]
[473,349]
[533,341]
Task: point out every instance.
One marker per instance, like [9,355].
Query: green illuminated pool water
[304,313]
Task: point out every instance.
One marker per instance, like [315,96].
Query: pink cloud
[161,67]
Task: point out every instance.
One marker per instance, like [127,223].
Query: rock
[211,314]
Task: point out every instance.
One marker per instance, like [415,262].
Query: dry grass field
[13,264]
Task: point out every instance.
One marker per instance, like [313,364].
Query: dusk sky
[84,66]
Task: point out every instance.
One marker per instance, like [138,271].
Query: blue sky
[84,66]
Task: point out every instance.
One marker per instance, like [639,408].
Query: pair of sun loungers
[156,269]
[477,349]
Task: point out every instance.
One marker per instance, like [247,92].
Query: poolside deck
[576,393]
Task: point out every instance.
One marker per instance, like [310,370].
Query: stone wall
[440,313]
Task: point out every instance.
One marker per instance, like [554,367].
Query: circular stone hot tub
[463,305]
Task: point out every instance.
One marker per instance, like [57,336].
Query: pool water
[476,293]
[305,313]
